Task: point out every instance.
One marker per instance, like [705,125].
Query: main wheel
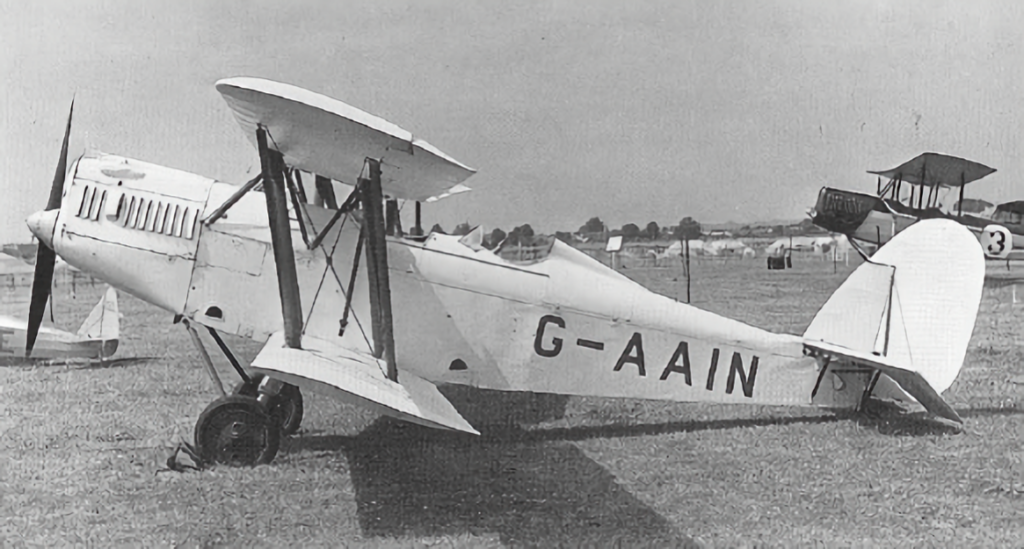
[235,430]
[286,408]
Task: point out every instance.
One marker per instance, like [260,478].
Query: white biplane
[902,201]
[381,319]
[96,338]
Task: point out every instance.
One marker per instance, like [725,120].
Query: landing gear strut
[244,428]
[285,408]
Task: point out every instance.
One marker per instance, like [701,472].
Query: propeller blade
[42,279]
[57,189]
[45,259]
[52,320]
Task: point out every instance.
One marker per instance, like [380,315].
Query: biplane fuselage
[866,218]
[562,324]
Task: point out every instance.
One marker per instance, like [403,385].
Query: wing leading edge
[932,169]
[358,378]
[330,138]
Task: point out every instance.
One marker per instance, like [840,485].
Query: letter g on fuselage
[556,342]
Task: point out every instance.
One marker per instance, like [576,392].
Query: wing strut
[417,229]
[273,166]
[352,280]
[298,204]
[325,191]
[377,267]
[223,208]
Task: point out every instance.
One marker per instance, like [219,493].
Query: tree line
[593,230]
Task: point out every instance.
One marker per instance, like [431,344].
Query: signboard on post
[613,247]
[614,244]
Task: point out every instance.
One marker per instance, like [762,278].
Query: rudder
[104,322]
[915,302]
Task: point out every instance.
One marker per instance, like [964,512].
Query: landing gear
[244,428]
[285,408]
[236,430]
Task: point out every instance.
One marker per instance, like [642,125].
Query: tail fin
[104,322]
[910,309]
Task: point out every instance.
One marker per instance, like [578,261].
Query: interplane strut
[281,238]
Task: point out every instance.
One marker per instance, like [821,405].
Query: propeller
[42,279]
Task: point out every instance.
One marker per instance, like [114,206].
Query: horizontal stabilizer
[910,381]
[358,378]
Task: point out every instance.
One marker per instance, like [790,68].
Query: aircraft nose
[41,224]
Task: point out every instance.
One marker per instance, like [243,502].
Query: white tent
[728,247]
[824,246]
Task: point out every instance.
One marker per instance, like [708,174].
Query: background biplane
[96,338]
[350,307]
[911,193]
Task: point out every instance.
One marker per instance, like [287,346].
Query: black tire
[235,430]
[286,409]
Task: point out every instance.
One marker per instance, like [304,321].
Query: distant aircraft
[14,271]
[877,218]
[379,320]
[97,338]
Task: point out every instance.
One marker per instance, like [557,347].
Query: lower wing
[358,378]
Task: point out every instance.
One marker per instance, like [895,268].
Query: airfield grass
[83,450]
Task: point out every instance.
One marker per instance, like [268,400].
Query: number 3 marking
[1000,240]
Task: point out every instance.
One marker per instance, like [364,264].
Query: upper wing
[330,138]
[358,378]
[932,169]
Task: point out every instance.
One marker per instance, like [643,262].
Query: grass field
[82,448]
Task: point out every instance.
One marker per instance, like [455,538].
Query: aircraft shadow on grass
[532,486]
[414,481]
[115,363]
[892,420]
[78,364]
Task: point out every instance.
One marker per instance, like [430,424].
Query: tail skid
[912,382]
[908,313]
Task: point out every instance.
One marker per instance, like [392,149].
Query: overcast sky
[633,111]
